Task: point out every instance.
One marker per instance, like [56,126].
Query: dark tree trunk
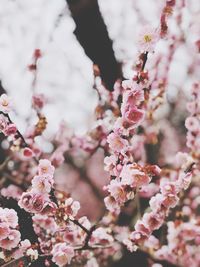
[92,34]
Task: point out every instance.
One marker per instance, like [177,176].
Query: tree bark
[92,34]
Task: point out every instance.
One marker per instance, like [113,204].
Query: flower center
[147,38]
[44,169]
[4,103]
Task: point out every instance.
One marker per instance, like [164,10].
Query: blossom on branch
[148,39]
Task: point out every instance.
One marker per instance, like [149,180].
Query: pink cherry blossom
[152,242]
[191,107]
[156,202]
[140,226]
[38,202]
[117,191]
[11,241]
[25,201]
[38,101]
[133,177]
[4,230]
[62,254]
[41,184]
[132,98]
[45,168]
[101,236]
[134,116]
[117,143]
[32,202]
[45,222]
[12,191]
[5,103]
[170,201]
[10,217]
[148,38]
[167,188]
[57,158]
[149,190]
[110,163]
[3,123]
[153,220]
[133,94]
[183,159]
[192,124]
[23,247]
[25,244]
[111,204]
[49,207]
[184,180]
[71,207]
[138,237]
[10,129]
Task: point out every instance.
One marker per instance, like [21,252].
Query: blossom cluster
[192,123]
[67,237]
[160,205]
[62,254]
[181,237]
[127,177]
[6,127]
[17,143]
[132,111]
[9,235]
[37,200]
[130,180]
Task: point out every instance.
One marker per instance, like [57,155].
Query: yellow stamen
[147,38]
[4,103]
[44,169]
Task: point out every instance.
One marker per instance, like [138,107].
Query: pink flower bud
[10,129]
[28,153]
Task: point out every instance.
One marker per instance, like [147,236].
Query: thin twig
[4,164]
[87,239]
[24,143]
[80,225]
[144,60]
[88,232]
[18,132]
[137,200]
